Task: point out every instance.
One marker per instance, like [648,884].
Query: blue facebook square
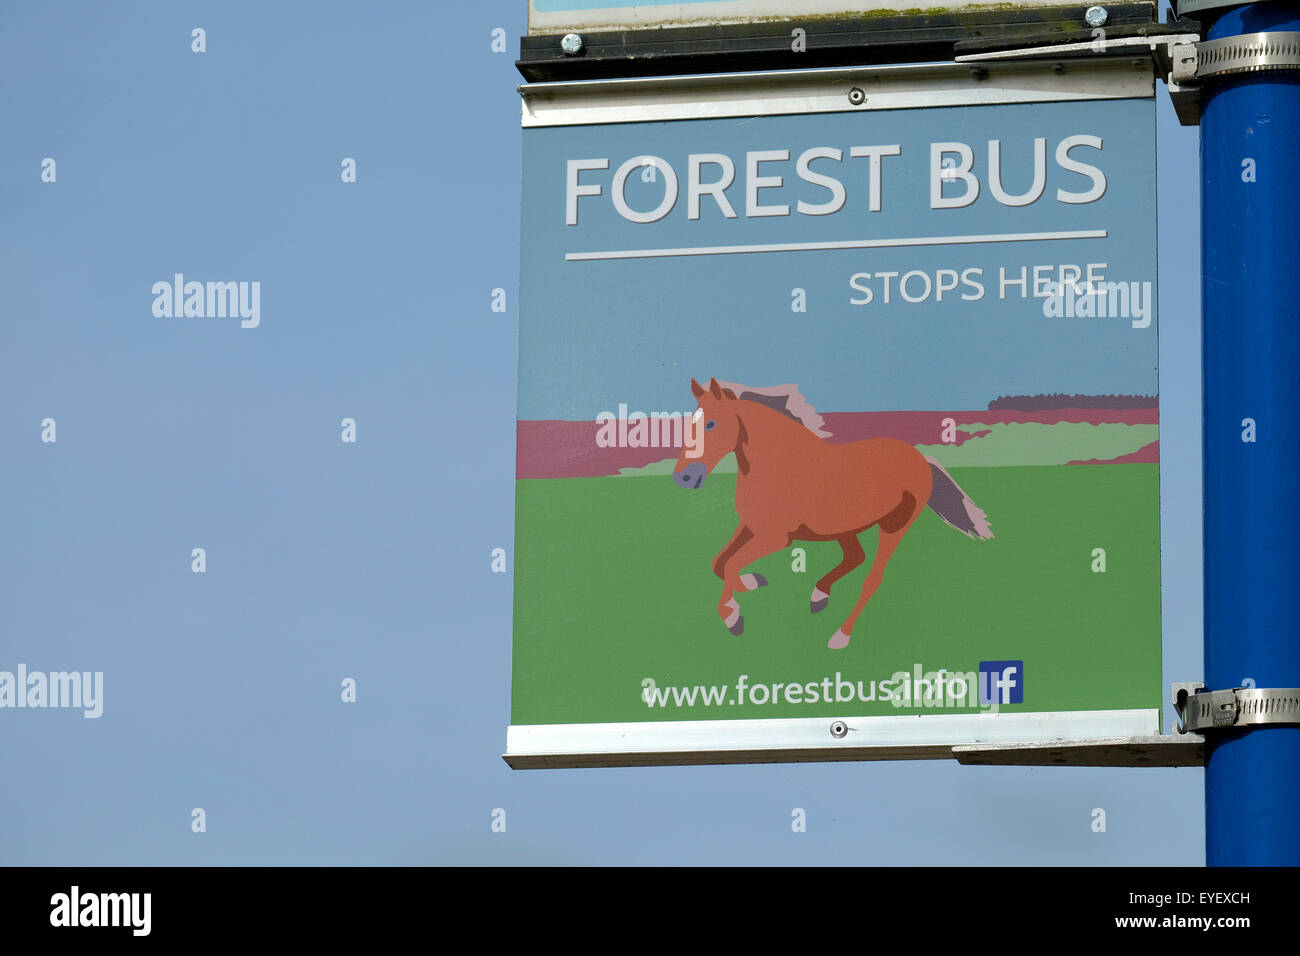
[1002,682]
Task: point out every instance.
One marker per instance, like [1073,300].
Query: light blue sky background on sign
[637,330]
[371,560]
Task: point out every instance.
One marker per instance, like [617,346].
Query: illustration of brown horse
[795,486]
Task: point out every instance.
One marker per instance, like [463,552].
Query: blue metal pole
[1250,233]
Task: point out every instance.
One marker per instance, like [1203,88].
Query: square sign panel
[837,430]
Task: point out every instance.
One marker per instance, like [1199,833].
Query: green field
[613,585]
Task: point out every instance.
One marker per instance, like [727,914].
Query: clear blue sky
[327,560]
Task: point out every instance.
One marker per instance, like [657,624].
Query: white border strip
[805,738]
[826,90]
[846,244]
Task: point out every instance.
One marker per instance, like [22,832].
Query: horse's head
[712,432]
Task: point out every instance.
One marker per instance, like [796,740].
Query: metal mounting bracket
[1158,46]
[1183,60]
[1200,710]
[1175,57]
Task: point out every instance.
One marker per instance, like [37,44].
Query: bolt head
[857,96]
[1096,16]
[571,44]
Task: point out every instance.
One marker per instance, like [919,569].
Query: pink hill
[560,449]
[1146,455]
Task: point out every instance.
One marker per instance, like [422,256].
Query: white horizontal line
[845,244]
[756,740]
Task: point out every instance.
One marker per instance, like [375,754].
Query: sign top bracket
[846,40]
[836,89]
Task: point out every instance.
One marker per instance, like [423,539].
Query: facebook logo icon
[1002,682]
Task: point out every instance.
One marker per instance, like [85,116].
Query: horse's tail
[956,509]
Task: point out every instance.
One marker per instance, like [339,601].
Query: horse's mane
[785,399]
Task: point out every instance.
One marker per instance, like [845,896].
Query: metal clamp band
[1248,52]
[1200,709]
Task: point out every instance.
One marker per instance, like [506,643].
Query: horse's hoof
[839,640]
[818,601]
[753,582]
[733,621]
